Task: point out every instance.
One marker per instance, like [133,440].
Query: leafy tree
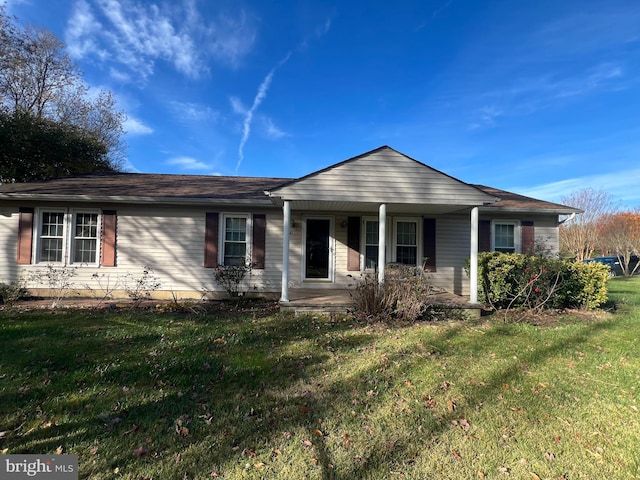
[42,93]
[621,233]
[580,236]
[36,149]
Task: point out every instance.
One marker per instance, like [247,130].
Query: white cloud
[135,35]
[193,111]
[188,163]
[237,106]
[135,127]
[119,75]
[488,115]
[80,34]
[271,130]
[621,185]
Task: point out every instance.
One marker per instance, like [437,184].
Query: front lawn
[258,394]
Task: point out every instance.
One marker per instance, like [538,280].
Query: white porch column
[286,233]
[473,264]
[382,241]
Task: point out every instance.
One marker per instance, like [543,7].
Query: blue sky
[541,98]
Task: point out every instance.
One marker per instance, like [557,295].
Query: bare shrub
[56,279]
[405,295]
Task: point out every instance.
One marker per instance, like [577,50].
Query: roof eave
[555,211]
[135,199]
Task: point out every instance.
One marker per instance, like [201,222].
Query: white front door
[318,249]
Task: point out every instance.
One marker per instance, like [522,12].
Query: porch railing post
[473,264]
[286,232]
[382,241]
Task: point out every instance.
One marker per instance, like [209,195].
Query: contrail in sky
[260,96]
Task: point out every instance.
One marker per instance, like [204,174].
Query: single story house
[315,232]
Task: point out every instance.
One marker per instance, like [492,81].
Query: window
[505,237]
[236,232]
[51,237]
[407,242]
[59,232]
[371,242]
[85,239]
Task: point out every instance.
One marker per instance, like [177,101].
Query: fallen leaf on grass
[429,402]
[304,409]
[182,431]
[549,456]
[456,455]
[481,474]
[307,443]
[504,470]
[318,433]
[535,476]
[452,405]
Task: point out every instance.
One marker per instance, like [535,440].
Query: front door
[318,249]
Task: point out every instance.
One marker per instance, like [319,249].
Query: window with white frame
[51,237]
[85,238]
[64,236]
[506,237]
[235,234]
[371,243]
[406,242]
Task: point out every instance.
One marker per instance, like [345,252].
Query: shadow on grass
[230,387]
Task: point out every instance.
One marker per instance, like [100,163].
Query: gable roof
[383,175]
[144,187]
[361,179]
[513,202]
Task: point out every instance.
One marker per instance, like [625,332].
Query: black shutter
[353,244]
[429,244]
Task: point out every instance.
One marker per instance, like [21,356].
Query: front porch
[305,300]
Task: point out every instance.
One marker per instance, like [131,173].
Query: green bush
[586,285]
[508,280]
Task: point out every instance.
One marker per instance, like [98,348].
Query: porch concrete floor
[339,301]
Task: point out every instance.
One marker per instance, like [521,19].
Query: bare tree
[621,233]
[580,236]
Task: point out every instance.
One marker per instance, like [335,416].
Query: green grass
[264,395]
